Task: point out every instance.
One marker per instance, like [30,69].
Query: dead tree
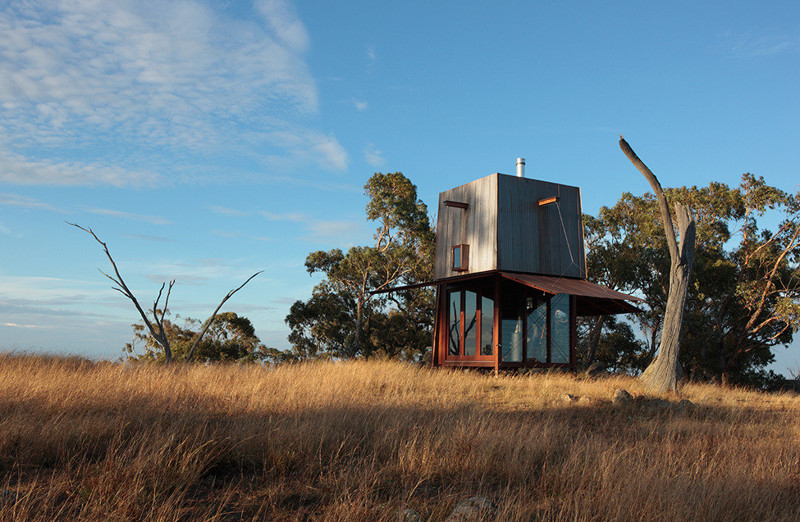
[157,331]
[664,372]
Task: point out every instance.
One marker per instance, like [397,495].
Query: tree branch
[666,218]
[124,290]
[210,320]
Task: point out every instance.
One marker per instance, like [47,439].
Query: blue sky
[207,140]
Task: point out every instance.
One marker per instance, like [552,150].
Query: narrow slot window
[511,325]
[470,322]
[559,329]
[487,325]
[461,258]
[536,308]
[455,324]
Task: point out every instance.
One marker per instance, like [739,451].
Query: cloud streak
[153,220]
[750,45]
[16,200]
[102,80]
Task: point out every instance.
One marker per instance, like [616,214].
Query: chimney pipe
[520,167]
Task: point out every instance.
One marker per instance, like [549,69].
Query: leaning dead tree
[664,372]
[156,326]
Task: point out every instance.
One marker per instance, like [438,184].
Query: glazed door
[470,323]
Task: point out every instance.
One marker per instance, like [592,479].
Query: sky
[208,140]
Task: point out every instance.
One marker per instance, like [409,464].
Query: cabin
[510,275]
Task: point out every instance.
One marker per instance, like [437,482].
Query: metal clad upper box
[507,228]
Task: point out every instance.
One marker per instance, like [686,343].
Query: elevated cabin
[510,271]
[510,275]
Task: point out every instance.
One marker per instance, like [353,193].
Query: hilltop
[362,440]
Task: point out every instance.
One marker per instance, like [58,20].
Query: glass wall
[511,324]
[536,308]
[487,325]
[559,328]
[454,311]
[470,317]
[535,328]
[470,322]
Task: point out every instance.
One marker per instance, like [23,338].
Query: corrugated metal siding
[506,228]
[481,227]
[543,240]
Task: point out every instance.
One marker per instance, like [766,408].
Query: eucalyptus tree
[402,254]
[744,294]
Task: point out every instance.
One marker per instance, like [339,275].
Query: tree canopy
[343,318]
[744,294]
[229,338]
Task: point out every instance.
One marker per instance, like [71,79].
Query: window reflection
[455,323]
[536,308]
[487,325]
[470,325]
[511,324]
[559,328]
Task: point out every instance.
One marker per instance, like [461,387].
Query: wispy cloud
[146,237]
[16,200]
[754,45]
[19,170]
[373,156]
[372,55]
[7,231]
[153,220]
[227,233]
[283,217]
[335,231]
[172,76]
[285,24]
[15,325]
[229,211]
[360,106]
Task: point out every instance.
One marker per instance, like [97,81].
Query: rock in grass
[473,508]
[621,396]
[408,515]
[569,399]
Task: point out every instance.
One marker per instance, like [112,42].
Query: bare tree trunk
[158,331]
[664,372]
[160,335]
[359,327]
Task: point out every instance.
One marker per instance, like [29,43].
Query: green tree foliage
[745,290]
[230,338]
[343,318]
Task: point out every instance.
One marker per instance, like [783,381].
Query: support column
[497,338]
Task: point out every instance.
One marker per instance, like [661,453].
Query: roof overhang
[592,299]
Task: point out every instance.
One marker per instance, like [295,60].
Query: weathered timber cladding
[537,239]
[480,232]
[506,229]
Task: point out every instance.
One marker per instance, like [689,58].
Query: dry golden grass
[360,440]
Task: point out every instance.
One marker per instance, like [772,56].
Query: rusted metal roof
[591,298]
[564,285]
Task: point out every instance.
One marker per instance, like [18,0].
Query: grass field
[361,440]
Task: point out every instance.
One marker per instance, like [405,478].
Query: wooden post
[436,322]
[573,332]
[497,339]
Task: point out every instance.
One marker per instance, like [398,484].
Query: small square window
[461,258]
